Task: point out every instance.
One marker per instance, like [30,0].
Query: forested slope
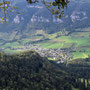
[29,71]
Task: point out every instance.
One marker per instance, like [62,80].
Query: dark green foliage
[29,71]
[80,69]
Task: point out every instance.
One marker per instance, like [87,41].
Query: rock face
[37,16]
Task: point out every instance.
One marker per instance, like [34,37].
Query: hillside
[28,70]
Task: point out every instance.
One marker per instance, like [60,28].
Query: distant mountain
[36,17]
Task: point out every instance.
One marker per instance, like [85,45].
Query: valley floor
[76,43]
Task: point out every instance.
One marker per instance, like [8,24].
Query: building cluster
[61,55]
[54,54]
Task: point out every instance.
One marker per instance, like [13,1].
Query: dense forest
[29,71]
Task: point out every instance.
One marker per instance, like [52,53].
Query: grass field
[79,41]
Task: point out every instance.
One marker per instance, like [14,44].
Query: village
[60,55]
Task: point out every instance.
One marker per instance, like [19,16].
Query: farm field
[80,45]
[77,42]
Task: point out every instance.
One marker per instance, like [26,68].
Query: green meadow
[79,42]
